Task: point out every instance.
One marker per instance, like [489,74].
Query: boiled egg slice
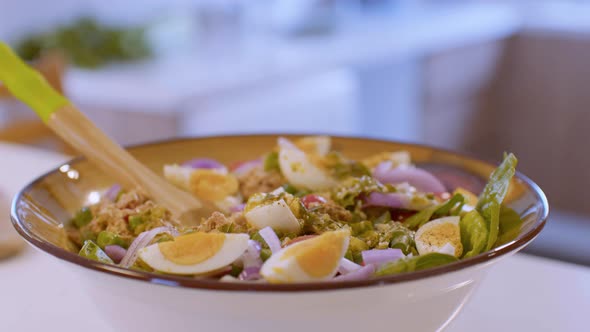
[394,159]
[226,204]
[208,184]
[299,170]
[319,145]
[470,199]
[178,175]
[195,253]
[315,259]
[276,215]
[441,236]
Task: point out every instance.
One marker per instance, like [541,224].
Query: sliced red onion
[115,252]
[237,208]
[251,257]
[416,177]
[382,168]
[246,167]
[453,177]
[271,239]
[141,241]
[391,200]
[363,273]
[251,261]
[112,193]
[381,256]
[250,273]
[203,163]
[347,266]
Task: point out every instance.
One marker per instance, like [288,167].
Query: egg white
[227,203]
[233,247]
[299,170]
[276,215]
[178,175]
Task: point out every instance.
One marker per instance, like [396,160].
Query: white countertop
[521,293]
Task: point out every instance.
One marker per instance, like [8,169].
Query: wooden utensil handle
[76,129]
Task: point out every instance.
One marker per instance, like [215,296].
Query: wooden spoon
[72,126]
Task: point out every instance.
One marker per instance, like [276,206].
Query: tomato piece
[307,200]
[236,164]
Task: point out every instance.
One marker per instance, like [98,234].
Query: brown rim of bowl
[212,284]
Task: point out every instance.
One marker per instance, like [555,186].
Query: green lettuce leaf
[415,263]
[403,238]
[474,234]
[451,207]
[490,200]
[510,225]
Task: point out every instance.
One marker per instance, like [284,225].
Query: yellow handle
[27,85]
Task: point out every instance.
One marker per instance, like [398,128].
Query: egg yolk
[319,256]
[442,234]
[212,185]
[192,248]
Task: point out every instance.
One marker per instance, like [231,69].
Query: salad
[302,212]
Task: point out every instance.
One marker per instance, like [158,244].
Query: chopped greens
[271,162]
[106,238]
[83,217]
[402,238]
[92,251]
[342,168]
[347,193]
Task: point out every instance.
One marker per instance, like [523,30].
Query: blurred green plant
[88,44]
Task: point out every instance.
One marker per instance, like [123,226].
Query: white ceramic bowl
[138,301]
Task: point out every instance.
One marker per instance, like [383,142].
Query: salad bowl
[132,300]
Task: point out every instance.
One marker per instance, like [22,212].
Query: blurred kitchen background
[482,77]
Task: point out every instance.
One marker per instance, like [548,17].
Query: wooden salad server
[59,114]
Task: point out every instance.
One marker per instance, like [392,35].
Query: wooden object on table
[32,131]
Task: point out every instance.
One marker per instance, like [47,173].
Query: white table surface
[521,293]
